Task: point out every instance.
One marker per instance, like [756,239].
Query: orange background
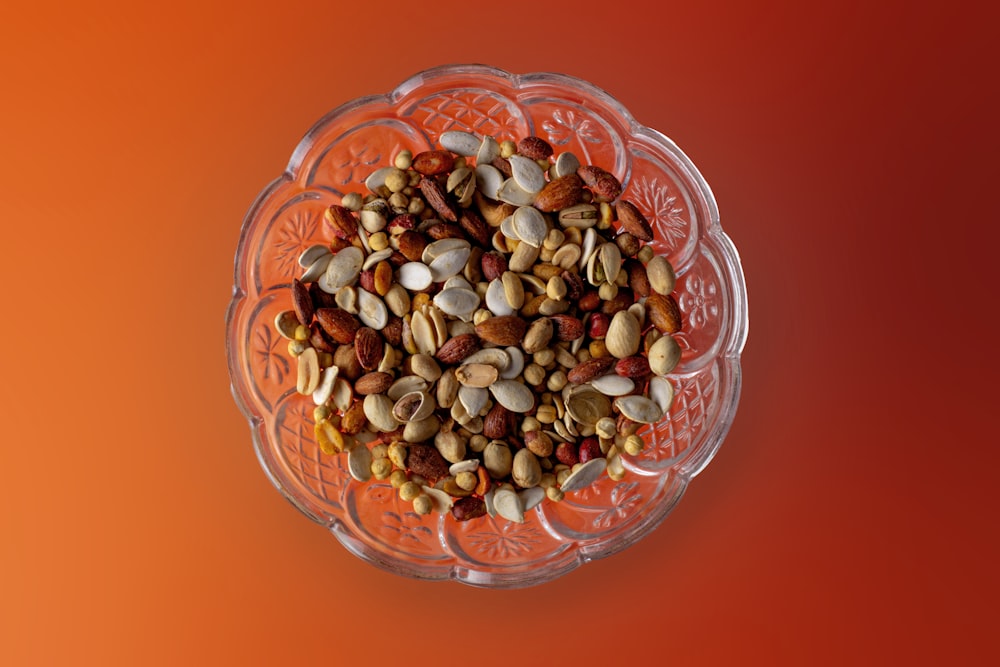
[850,517]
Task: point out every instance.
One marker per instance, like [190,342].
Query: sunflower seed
[587,247]
[375,258]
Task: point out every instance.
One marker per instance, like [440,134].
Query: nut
[633,221]
[497,423]
[538,442]
[632,367]
[537,336]
[430,163]
[339,324]
[342,222]
[435,195]
[368,347]
[474,226]
[602,183]
[458,348]
[567,328]
[426,461]
[560,193]
[373,383]
[623,335]
[526,470]
[662,312]
[302,302]
[412,245]
[497,459]
[588,370]
[504,330]
[494,265]
[354,419]
[535,148]
[468,508]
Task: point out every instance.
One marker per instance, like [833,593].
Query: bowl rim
[729,354]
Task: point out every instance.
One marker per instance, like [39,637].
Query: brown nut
[503,330]
[566,453]
[373,383]
[535,148]
[339,324]
[346,360]
[588,370]
[567,328]
[560,193]
[663,312]
[498,422]
[426,461]
[430,163]
[468,508]
[302,302]
[494,265]
[437,199]
[632,367]
[538,442]
[458,348]
[342,222]
[412,244]
[369,348]
[474,226]
[601,183]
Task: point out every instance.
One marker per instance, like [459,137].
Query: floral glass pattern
[334,158]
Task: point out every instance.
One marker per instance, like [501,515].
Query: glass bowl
[334,158]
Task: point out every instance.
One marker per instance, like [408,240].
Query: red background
[848,519]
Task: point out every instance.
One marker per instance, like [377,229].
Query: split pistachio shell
[514,396]
[406,385]
[639,409]
[359,463]
[312,253]
[285,323]
[579,216]
[421,429]
[584,476]
[342,270]
[610,257]
[414,406]
[461,143]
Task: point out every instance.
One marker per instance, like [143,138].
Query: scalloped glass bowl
[333,159]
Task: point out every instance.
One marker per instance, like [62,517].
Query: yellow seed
[547,480]
[378,241]
[507,148]
[546,414]
[634,445]
[302,332]
[534,374]
[607,291]
[381,468]
[478,442]
[607,215]
[321,413]
[554,494]
[557,381]
[422,504]
[466,480]
[544,357]
[598,350]
[296,347]
[399,199]
[415,178]
[409,491]
[415,207]
[404,159]
[645,254]
[396,180]
[352,201]
[606,427]
[546,255]
[481,316]
[530,424]
[419,301]
[583,355]
[561,475]
[398,478]
[380,451]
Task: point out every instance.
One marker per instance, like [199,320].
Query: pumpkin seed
[489,150]
[359,463]
[512,193]
[493,356]
[661,392]
[488,179]
[584,476]
[530,498]
[461,143]
[613,385]
[509,505]
[376,180]
[516,364]
[527,174]
[371,310]
[342,270]
[312,253]
[586,406]
[457,302]
[639,409]
[449,263]
[317,268]
[473,399]
[496,299]
[514,396]
[441,246]
[566,164]
[530,225]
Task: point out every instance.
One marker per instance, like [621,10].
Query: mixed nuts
[480,332]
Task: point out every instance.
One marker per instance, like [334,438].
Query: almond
[342,222]
[663,313]
[497,423]
[601,183]
[588,370]
[632,367]
[474,226]
[443,230]
[534,147]
[393,331]
[458,348]
[319,340]
[628,244]
[426,461]
[373,383]
[503,330]
[574,285]
[339,324]
[435,195]
[589,301]
[494,265]
[302,302]
[567,327]
[560,193]
[637,278]
[503,165]
[633,221]
[468,508]
[320,298]
[412,244]
[430,163]
[369,348]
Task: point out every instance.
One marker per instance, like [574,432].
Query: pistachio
[461,143]
[525,469]
[359,463]
[379,411]
[623,336]
[664,355]
[497,459]
[660,274]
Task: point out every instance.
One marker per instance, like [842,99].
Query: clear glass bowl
[333,159]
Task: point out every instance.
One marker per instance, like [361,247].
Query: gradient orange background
[850,517]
